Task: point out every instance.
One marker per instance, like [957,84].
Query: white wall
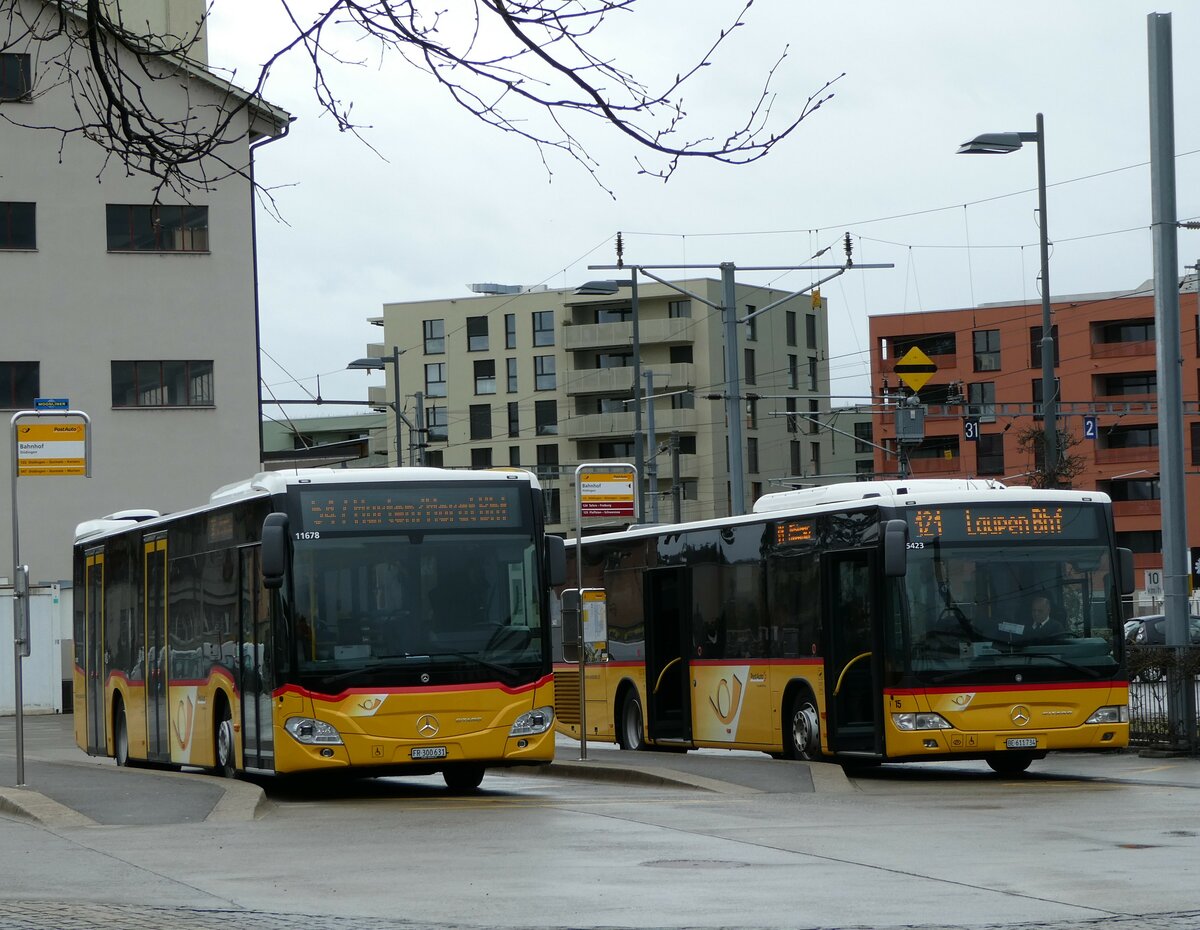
[42,670]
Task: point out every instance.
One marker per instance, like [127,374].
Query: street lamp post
[373,362]
[1002,143]
[601,288]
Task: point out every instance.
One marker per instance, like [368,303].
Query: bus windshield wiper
[1057,658]
[507,674]
[395,663]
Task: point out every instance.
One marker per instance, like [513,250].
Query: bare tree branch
[532,69]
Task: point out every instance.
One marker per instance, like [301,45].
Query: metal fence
[1162,713]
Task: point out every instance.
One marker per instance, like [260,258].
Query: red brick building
[988,365]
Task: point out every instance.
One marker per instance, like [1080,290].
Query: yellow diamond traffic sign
[915,368]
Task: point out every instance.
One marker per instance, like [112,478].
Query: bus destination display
[791,532]
[406,510]
[980,523]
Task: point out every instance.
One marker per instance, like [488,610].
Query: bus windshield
[409,601]
[987,612]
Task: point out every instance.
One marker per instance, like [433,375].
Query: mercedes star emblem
[1020,715]
[427,726]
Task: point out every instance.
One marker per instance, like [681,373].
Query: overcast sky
[445,201]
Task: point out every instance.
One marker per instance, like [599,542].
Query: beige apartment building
[544,379]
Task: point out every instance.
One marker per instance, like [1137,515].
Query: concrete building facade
[137,305]
[544,379]
[988,366]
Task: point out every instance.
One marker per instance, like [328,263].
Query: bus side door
[668,600]
[853,696]
[94,671]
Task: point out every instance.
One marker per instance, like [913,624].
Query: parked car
[1152,630]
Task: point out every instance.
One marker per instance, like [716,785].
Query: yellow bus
[862,623]
[381,621]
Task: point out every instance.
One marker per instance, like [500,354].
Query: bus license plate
[1024,742]
[429,752]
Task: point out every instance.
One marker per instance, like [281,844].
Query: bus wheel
[120,736]
[1009,763]
[629,722]
[226,765]
[802,729]
[463,777]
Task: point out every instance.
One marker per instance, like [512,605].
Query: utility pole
[676,489]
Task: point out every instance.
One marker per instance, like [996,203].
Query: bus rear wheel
[802,729]
[1009,763]
[463,777]
[223,739]
[630,734]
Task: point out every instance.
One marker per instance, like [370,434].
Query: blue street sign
[51,403]
[1089,428]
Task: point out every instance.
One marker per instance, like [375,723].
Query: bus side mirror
[895,548]
[1125,561]
[274,549]
[571,617]
[556,560]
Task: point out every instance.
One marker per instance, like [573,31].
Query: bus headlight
[920,722]
[310,731]
[1114,713]
[533,722]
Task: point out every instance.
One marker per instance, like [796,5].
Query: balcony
[580,337]
[1136,509]
[603,425]
[935,466]
[620,380]
[1124,456]
[1121,349]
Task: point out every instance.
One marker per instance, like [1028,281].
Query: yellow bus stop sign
[915,369]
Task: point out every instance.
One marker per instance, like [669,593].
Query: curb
[827,778]
[40,809]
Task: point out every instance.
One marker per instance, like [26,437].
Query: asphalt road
[705,840]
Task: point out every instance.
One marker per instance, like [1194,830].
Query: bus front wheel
[1009,763]
[802,729]
[226,765]
[630,734]
[463,777]
[120,736]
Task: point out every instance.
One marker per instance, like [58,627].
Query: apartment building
[989,367]
[545,379]
[137,305]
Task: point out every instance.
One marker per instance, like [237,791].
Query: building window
[435,379]
[814,449]
[1037,394]
[16,76]
[510,330]
[514,420]
[929,343]
[514,456]
[691,489]
[545,415]
[751,413]
[18,225]
[1136,382]
[543,373]
[614,314]
[794,372]
[684,400]
[681,355]
[989,454]
[547,460]
[864,436]
[543,328]
[1137,489]
[156,228]
[611,405]
[437,424]
[810,330]
[477,334]
[481,458]
[18,385]
[981,400]
[1035,345]
[749,375]
[511,364]
[614,359]
[615,450]
[864,470]
[687,445]
[987,349]
[814,422]
[1141,330]
[789,406]
[435,458]
[551,503]
[162,384]
[481,421]
[1145,541]
[1132,437]
[679,309]
[752,455]
[485,376]
[789,317]
[812,373]
[797,467]
[751,325]
[435,336]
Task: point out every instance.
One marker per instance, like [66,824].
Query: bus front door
[853,698]
[158,738]
[93,674]
[256,667]
[668,609]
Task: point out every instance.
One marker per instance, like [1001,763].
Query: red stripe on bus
[1022,687]
[420,689]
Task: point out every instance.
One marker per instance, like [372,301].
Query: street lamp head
[369,364]
[993,143]
[600,288]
